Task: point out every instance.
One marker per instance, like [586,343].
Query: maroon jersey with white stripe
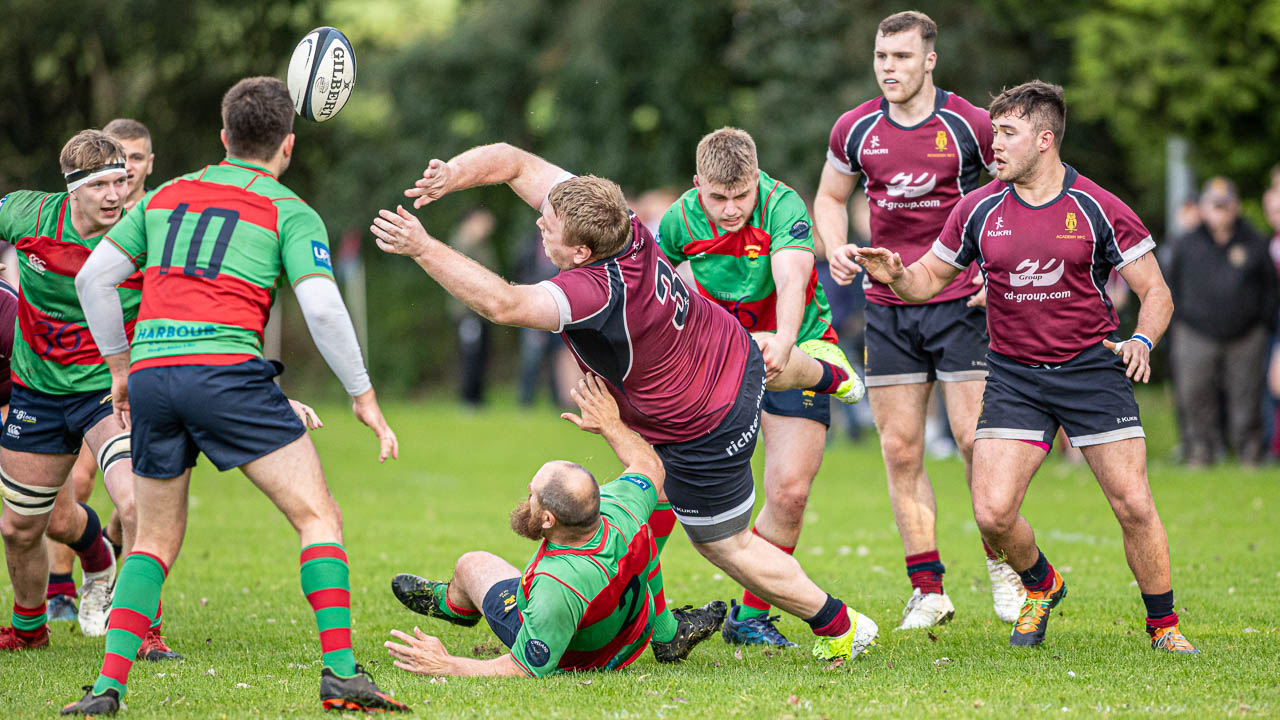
[1046,266]
[913,176]
[673,359]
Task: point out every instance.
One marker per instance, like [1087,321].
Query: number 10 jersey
[213,245]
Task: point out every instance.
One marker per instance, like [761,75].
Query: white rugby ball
[321,73]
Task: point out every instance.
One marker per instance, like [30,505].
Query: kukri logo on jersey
[1030,273]
[905,184]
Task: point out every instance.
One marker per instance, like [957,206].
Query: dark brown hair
[1043,102]
[257,114]
[911,20]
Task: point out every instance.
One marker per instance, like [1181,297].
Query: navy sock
[1039,576]
[1158,606]
[831,620]
[92,531]
[832,378]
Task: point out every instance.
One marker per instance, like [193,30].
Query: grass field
[234,607]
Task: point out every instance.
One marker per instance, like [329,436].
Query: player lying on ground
[585,600]
[687,377]
[919,149]
[198,381]
[1046,238]
[747,239]
[61,396]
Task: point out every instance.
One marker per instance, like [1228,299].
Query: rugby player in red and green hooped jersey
[213,244]
[747,239]
[584,601]
[61,391]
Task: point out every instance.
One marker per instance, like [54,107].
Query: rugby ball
[321,73]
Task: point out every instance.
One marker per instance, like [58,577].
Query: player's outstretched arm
[920,281]
[600,416]
[1147,282]
[423,654]
[791,268]
[479,288]
[107,267]
[529,176]
[831,222]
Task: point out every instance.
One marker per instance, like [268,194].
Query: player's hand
[421,654]
[433,185]
[400,233]
[306,415]
[978,299]
[880,263]
[367,411]
[842,265]
[599,409]
[120,401]
[777,353]
[1136,357]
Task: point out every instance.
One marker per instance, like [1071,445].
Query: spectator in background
[472,239]
[1271,208]
[1225,298]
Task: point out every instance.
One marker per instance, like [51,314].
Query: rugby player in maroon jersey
[685,374]
[919,149]
[1046,238]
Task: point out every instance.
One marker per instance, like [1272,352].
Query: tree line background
[619,88]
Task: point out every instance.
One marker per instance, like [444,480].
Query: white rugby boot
[1007,592]
[95,598]
[926,610]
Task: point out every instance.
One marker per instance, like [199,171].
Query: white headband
[77,178]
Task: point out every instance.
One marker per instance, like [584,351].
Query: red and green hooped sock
[662,521]
[29,621]
[325,582]
[453,611]
[159,619]
[135,604]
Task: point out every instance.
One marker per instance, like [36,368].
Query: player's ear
[223,135]
[695,181]
[548,520]
[287,146]
[930,61]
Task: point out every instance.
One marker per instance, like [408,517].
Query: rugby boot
[1034,618]
[105,704]
[758,630]
[858,641]
[926,610]
[154,649]
[693,625]
[425,597]
[1168,639]
[852,389]
[356,693]
[11,640]
[95,600]
[62,608]
[1007,591]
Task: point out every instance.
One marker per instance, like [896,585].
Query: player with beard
[1047,239]
[686,376]
[919,150]
[585,600]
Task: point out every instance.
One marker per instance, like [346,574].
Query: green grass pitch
[234,607]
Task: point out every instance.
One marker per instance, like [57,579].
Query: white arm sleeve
[96,284]
[333,333]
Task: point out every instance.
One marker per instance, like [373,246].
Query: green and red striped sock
[29,621]
[325,582]
[662,521]
[135,603]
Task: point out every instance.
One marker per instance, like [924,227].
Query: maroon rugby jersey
[8,314]
[1046,266]
[673,359]
[913,176]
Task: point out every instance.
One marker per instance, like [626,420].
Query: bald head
[570,492]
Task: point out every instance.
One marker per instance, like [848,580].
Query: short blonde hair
[727,157]
[89,150]
[594,214]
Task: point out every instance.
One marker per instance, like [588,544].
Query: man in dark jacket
[1225,299]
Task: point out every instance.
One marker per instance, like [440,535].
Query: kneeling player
[199,382]
[585,601]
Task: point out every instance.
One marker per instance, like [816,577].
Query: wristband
[1144,340]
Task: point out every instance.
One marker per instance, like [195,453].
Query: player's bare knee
[993,519]
[964,446]
[902,453]
[787,503]
[1135,511]
[22,531]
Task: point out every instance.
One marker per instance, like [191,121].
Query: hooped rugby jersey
[732,269]
[913,176]
[673,359]
[213,245]
[589,607]
[1046,266]
[53,351]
